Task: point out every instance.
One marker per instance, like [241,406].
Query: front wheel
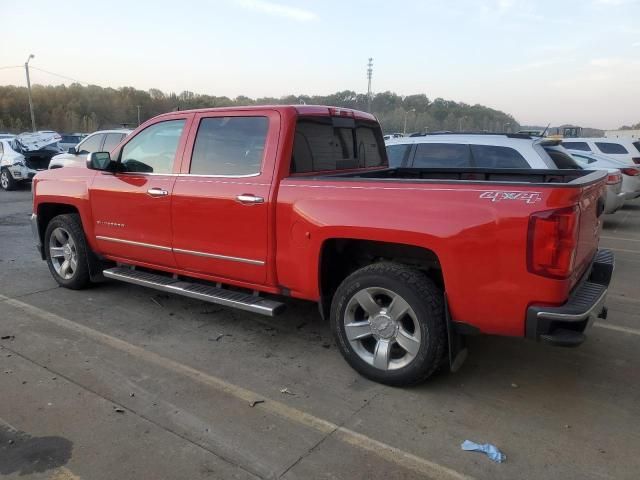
[7,182]
[388,321]
[66,251]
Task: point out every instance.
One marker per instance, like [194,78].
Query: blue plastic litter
[491,450]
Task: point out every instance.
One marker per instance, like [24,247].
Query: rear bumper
[565,325]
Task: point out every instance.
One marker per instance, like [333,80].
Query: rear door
[221,199]
[131,208]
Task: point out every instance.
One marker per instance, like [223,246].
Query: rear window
[611,148]
[442,155]
[398,154]
[637,145]
[70,139]
[336,143]
[563,160]
[583,146]
[492,156]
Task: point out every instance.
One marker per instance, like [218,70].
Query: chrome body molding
[131,242]
[219,257]
[181,250]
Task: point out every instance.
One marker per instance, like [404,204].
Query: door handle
[249,199]
[157,192]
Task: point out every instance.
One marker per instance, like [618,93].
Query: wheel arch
[339,257]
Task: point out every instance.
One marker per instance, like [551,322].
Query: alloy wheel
[63,253]
[382,328]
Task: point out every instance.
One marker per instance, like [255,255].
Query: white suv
[625,149]
[478,151]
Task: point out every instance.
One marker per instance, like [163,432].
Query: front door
[221,201]
[131,208]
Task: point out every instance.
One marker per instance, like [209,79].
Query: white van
[625,149]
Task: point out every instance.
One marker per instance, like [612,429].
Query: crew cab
[247,206]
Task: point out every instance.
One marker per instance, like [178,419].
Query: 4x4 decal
[498,196]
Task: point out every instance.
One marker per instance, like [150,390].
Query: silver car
[101,141]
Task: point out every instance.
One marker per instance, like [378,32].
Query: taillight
[614,178]
[631,171]
[552,241]
[636,160]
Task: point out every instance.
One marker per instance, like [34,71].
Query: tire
[412,345]
[65,243]
[7,182]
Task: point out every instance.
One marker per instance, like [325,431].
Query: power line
[61,76]
[11,66]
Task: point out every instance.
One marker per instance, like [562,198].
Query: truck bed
[501,176]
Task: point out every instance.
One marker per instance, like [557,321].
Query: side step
[228,298]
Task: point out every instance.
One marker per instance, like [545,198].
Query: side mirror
[72,150]
[99,161]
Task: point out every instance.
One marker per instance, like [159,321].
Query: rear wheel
[388,320]
[66,251]
[7,181]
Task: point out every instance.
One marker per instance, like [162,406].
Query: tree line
[78,108]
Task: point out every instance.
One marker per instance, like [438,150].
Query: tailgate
[591,211]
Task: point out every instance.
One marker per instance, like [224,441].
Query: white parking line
[387,452]
[623,250]
[604,237]
[617,328]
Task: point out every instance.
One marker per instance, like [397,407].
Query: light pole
[406,114]
[26,68]
[369,75]
[504,127]
[138,107]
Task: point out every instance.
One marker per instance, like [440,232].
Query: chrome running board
[208,293]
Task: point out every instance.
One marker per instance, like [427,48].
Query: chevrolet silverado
[246,206]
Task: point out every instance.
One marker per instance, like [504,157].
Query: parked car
[299,201]
[624,149]
[389,136]
[519,151]
[630,175]
[478,150]
[76,156]
[69,140]
[25,155]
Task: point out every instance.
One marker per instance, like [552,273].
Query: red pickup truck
[245,206]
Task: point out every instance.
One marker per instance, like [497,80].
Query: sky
[557,62]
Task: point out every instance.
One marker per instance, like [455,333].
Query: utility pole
[138,106]
[33,117]
[369,75]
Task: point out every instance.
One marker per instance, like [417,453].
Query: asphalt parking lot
[123,382]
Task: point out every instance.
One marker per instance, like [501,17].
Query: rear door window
[583,146]
[229,146]
[442,155]
[611,148]
[637,146]
[493,156]
[398,154]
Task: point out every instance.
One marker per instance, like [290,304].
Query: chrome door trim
[131,242]
[218,256]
